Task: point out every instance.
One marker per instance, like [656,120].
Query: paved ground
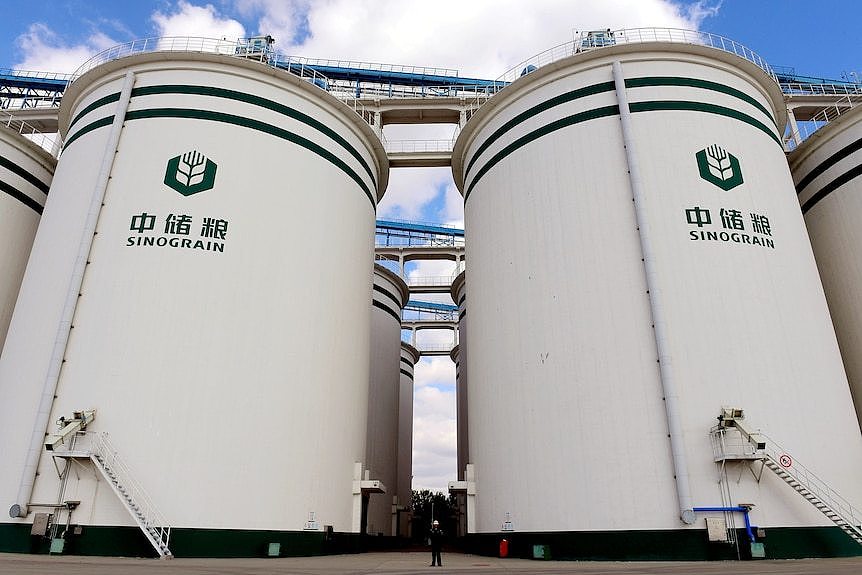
[404,564]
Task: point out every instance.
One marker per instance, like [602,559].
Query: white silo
[826,169]
[459,357]
[404,481]
[25,175]
[388,298]
[642,262]
[221,323]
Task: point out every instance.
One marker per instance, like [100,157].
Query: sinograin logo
[190,173]
[719,167]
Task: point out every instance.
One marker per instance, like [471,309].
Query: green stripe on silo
[115,97]
[831,187]
[527,114]
[263,103]
[697,83]
[20,196]
[389,294]
[683,105]
[387,309]
[828,163]
[88,128]
[641,82]
[238,97]
[18,170]
[613,110]
[536,134]
[236,121]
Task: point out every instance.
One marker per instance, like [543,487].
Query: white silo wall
[567,422]
[826,170]
[25,175]
[404,480]
[459,357]
[388,298]
[230,372]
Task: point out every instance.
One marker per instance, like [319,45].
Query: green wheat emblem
[719,167]
[190,173]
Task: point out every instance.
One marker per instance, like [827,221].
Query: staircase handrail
[101,445]
[774,451]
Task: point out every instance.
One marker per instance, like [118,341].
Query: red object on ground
[504,548]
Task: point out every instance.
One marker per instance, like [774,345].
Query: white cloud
[282,19]
[410,191]
[479,38]
[434,433]
[45,51]
[202,21]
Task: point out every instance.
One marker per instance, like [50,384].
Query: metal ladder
[133,497]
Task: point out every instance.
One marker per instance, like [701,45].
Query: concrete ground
[403,564]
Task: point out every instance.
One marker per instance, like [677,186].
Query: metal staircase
[756,446]
[133,497]
[813,489]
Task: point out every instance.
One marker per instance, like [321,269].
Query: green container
[57,546]
[274,550]
[541,551]
[758,551]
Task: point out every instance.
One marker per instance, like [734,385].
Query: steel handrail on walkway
[820,119]
[48,142]
[418,146]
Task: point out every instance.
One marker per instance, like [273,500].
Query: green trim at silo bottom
[219,543]
[666,545]
[669,545]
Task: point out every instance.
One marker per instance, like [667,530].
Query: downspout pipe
[740,509]
[61,340]
[660,329]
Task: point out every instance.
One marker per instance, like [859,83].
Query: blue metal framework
[24,90]
[402,233]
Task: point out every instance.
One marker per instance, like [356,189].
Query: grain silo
[389,296]
[826,169]
[221,324]
[643,263]
[459,357]
[404,481]
[25,175]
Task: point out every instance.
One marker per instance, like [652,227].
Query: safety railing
[810,481]
[418,146]
[234,48]
[801,89]
[48,142]
[12,72]
[102,447]
[820,119]
[379,67]
[429,280]
[589,41]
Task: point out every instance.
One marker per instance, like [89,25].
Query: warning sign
[785,460]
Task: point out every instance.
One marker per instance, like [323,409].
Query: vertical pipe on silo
[52,377]
[671,398]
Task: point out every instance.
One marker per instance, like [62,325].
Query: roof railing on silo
[588,41]
[241,49]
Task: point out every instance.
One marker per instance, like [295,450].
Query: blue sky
[480,38]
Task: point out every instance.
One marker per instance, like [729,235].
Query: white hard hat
[436,522]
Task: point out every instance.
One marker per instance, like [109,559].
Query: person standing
[436,536]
